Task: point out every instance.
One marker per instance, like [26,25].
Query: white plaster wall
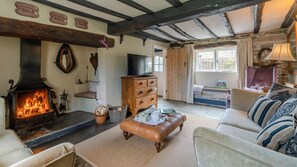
[210,78]
[113,65]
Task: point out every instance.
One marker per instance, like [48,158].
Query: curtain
[190,73]
[244,59]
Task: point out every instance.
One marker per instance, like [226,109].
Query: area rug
[110,149]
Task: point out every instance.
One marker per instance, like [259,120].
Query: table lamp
[280,52]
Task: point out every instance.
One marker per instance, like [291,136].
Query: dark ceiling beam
[175,3]
[145,35]
[205,28]
[190,10]
[290,17]
[76,12]
[137,6]
[181,32]
[257,16]
[167,34]
[226,22]
[100,8]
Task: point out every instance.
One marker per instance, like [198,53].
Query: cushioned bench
[150,132]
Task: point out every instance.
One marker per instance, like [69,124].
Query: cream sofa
[13,152]
[233,143]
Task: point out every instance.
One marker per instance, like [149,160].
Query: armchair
[259,79]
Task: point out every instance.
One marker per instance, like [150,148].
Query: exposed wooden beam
[32,30]
[225,20]
[145,35]
[100,8]
[190,10]
[257,14]
[168,35]
[66,9]
[181,32]
[290,17]
[204,28]
[137,6]
[175,3]
[213,45]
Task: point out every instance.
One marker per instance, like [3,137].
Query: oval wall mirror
[65,60]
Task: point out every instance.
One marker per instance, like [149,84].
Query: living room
[210,67]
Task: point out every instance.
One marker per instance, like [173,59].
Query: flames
[32,104]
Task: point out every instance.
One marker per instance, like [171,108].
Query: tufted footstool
[150,132]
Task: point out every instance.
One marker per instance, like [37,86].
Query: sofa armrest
[243,99]
[58,156]
[214,149]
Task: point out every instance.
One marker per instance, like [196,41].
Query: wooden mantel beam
[32,30]
[291,16]
[189,10]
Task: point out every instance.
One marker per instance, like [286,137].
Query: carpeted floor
[110,149]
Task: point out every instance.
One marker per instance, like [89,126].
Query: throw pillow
[288,107]
[280,92]
[277,133]
[262,110]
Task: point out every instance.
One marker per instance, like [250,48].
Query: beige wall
[112,62]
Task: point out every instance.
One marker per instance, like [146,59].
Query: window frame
[159,64]
[215,50]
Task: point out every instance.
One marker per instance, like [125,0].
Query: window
[219,60]
[158,61]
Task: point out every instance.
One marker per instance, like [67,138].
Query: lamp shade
[281,52]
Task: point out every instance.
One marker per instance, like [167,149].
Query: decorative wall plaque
[25,9]
[81,23]
[58,18]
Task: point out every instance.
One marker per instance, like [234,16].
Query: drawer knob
[152,99]
[141,92]
[140,102]
[152,82]
[140,83]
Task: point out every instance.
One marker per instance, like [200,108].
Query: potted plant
[101,114]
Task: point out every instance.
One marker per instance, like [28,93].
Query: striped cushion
[262,110]
[277,133]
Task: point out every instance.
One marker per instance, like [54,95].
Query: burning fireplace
[29,100]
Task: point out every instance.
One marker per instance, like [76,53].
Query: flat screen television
[140,65]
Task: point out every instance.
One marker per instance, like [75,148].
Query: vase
[100,119]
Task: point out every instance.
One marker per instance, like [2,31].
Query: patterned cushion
[277,133]
[280,92]
[289,107]
[262,110]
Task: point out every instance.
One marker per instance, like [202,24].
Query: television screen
[140,65]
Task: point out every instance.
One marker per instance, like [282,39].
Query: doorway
[159,68]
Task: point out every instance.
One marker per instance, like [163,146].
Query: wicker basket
[100,119]
[117,116]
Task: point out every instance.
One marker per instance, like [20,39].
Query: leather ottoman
[150,132]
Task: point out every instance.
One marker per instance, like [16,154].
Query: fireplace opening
[31,104]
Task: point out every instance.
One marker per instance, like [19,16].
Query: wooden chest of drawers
[139,92]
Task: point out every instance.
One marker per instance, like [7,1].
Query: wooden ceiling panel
[87,10]
[192,29]
[274,14]
[118,7]
[241,20]
[154,5]
[159,35]
[214,23]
